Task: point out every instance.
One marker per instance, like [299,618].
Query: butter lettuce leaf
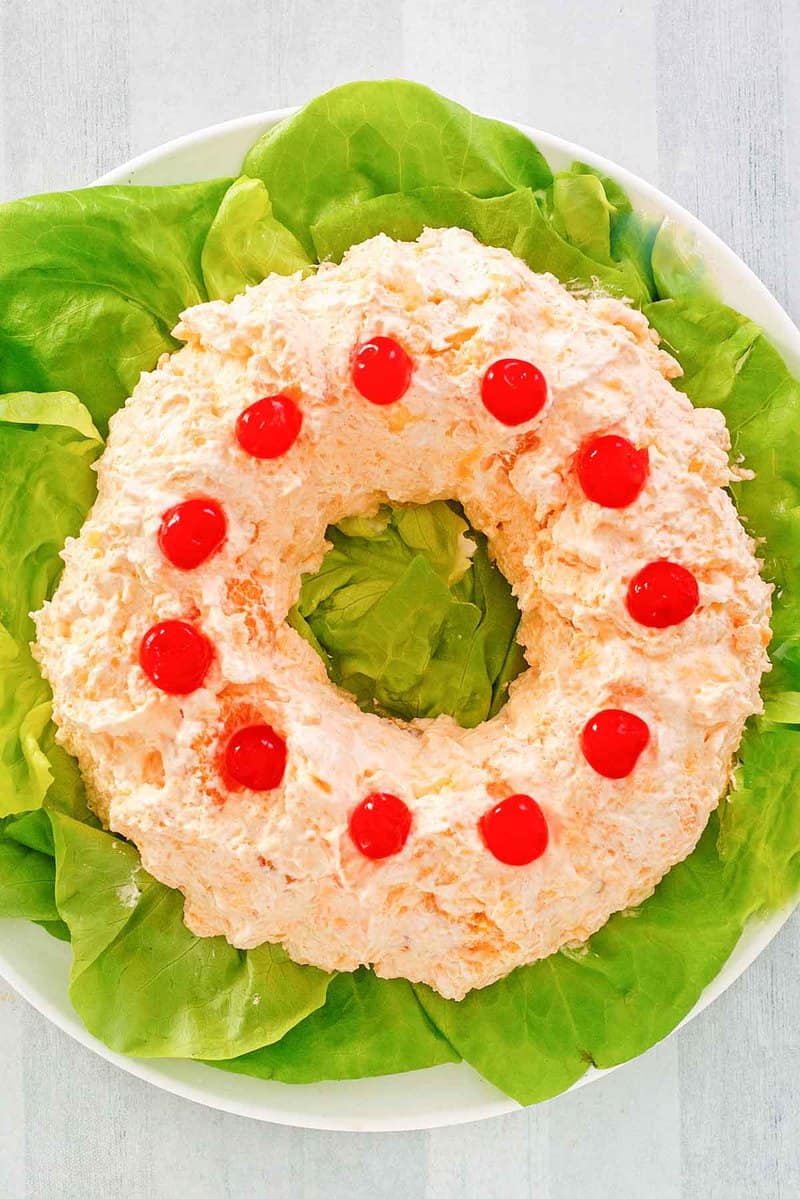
[537,1031]
[27,879]
[677,264]
[246,243]
[581,213]
[46,488]
[594,214]
[92,283]
[367,1026]
[146,985]
[519,222]
[783,707]
[60,408]
[27,872]
[410,615]
[371,139]
[759,842]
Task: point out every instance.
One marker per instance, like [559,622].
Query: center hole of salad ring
[411,616]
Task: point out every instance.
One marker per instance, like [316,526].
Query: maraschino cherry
[613,741]
[382,370]
[175,656]
[662,594]
[612,471]
[380,825]
[269,427]
[190,532]
[513,390]
[255,757]
[515,830]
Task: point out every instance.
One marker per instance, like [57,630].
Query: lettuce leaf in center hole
[409,614]
[90,285]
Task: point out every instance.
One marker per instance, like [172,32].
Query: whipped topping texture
[280,865]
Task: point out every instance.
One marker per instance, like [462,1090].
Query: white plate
[38,966]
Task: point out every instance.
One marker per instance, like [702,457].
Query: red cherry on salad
[515,830]
[270,427]
[175,656]
[191,532]
[380,825]
[613,741]
[612,471]
[513,390]
[382,370]
[255,757]
[662,594]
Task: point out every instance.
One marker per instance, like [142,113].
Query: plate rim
[208,1090]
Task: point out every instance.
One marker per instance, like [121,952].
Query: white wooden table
[703,98]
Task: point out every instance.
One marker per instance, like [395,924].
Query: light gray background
[701,98]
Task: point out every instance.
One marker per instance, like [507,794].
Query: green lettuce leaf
[783,707]
[46,488]
[517,222]
[581,212]
[27,879]
[368,1026]
[25,773]
[143,983]
[677,264]
[594,214]
[27,872]
[33,830]
[759,841]
[60,408]
[92,282]
[410,615]
[369,139]
[246,243]
[537,1031]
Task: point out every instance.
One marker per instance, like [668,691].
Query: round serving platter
[37,965]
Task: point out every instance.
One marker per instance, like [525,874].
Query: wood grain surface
[702,97]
